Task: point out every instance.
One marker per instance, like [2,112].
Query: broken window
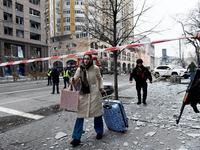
[34,36]
[7,3]
[20,33]
[19,20]
[19,7]
[8,31]
[36,2]
[34,25]
[34,12]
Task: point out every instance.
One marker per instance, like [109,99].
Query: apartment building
[22,34]
[64,22]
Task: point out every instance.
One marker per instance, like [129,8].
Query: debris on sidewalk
[60,135]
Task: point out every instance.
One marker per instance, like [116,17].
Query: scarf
[85,89]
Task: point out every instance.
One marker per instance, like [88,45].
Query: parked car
[169,70]
[108,87]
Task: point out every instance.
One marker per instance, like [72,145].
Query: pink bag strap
[70,87]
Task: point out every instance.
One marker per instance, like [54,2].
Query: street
[32,100]
[151,127]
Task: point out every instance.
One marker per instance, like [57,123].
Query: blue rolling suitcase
[114,115]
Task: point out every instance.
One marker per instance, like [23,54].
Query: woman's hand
[72,81]
[102,90]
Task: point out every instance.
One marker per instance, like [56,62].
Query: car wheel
[156,74]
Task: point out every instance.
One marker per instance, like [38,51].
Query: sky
[163,10]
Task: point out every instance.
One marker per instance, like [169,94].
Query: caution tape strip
[89,52]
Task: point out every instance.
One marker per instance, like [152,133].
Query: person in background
[191,68]
[55,76]
[49,76]
[66,76]
[101,71]
[90,104]
[141,74]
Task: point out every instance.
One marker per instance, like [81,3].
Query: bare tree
[190,23]
[114,22]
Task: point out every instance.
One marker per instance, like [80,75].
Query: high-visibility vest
[49,73]
[66,73]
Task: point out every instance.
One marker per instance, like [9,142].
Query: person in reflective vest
[49,76]
[66,75]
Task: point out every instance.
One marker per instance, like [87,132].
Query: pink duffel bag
[69,99]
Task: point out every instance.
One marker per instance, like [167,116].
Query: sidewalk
[150,127]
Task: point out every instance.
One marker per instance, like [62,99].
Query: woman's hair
[88,55]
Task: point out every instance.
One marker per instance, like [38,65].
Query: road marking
[20,113]
[20,91]
[24,99]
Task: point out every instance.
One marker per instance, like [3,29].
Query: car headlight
[181,71]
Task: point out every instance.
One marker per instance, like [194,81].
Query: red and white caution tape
[89,52]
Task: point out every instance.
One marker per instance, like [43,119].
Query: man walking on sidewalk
[140,74]
[191,68]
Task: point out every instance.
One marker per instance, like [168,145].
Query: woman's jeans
[78,129]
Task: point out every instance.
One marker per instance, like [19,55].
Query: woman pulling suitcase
[90,104]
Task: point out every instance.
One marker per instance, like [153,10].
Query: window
[8,31]
[67,3]
[20,33]
[160,67]
[34,25]
[35,52]
[79,19]
[54,54]
[19,20]
[66,19]
[67,53]
[60,54]
[73,52]
[123,53]
[66,11]
[19,7]
[66,28]
[68,45]
[59,47]
[55,48]
[7,3]
[36,2]
[59,20]
[34,12]
[74,45]
[78,28]
[78,12]
[34,36]
[7,17]
[59,29]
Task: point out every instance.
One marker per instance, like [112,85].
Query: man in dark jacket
[140,74]
[191,68]
[55,77]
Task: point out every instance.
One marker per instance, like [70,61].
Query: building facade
[23,34]
[64,28]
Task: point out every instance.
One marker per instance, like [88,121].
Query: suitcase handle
[106,105]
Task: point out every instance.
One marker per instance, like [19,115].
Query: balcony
[36,31]
[7,10]
[35,18]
